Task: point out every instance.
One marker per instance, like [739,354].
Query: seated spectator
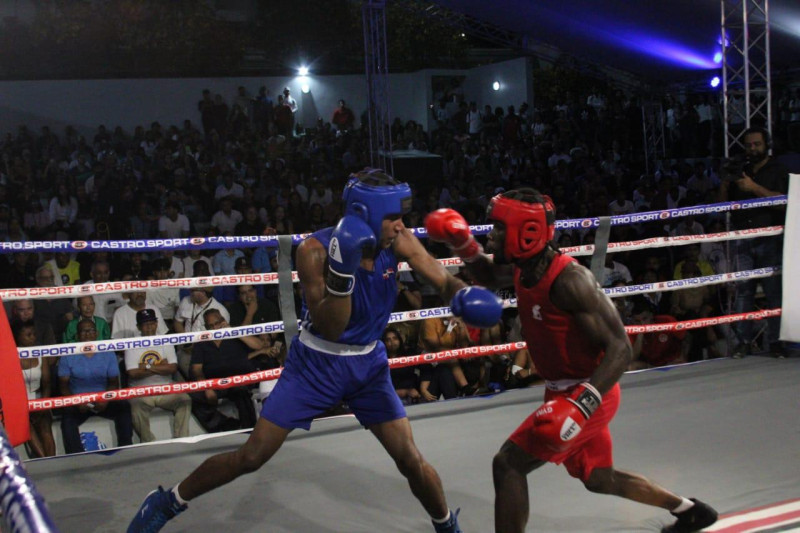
[166,299]
[124,323]
[445,379]
[658,348]
[91,372]
[68,271]
[692,255]
[106,303]
[226,218]
[86,309]
[615,271]
[155,365]
[224,261]
[220,359]
[693,303]
[133,266]
[21,273]
[36,373]
[522,372]
[252,224]
[54,311]
[189,317]
[405,380]
[173,224]
[194,256]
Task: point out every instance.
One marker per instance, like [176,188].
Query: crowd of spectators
[247,170]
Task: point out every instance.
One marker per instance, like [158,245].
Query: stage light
[715,82]
[305,88]
[718,57]
[303,71]
[496,86]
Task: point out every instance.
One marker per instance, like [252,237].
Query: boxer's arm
[329,313]
[575,291]
[407,246]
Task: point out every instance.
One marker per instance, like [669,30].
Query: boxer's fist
[477,307]
[449,227]
[558,422]
[348,240]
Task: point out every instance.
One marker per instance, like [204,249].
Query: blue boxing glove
[348,240]
[477,306]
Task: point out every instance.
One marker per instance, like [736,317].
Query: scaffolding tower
[747,86]
[373,13]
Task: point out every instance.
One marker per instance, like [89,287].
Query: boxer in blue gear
[349,290]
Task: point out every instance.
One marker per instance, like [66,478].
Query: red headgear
[529,226]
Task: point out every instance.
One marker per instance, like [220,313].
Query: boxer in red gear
[580,348]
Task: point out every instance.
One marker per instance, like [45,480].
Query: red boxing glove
[449,227]
[559,421]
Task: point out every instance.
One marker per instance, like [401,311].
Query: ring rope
[252,241]
[271,278]
[191,337]
[397,362]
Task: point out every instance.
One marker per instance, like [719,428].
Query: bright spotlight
[715,81]
[496,86]
[718,57]
[305,88]
[303,71]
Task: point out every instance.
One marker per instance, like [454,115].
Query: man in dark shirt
[762,177]
[221,359]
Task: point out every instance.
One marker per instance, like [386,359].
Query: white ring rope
[271,278]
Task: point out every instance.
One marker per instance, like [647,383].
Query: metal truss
[747,85]
[653,131]
[376,68]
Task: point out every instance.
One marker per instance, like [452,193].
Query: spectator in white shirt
[226,218]
[166,300]
[621,205]
[228,188]
[173,224]
[124,322]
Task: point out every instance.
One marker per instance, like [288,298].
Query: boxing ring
[725,440]
[707,429]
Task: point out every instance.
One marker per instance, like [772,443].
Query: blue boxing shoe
[451,526]
[157,509]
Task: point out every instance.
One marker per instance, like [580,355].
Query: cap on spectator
[145,315]
[242,262]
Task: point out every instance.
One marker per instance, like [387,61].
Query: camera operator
[758,176]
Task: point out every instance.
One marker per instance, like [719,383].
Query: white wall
[85,104]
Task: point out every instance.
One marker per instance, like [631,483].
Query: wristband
[469,251]
[339,284]
[588,399]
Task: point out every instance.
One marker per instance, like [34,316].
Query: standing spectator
[155,365]
[36,372]
[91,372]
[474,121]
[291,103]
[343,117]
[206,108]
[283,118]
[173,224]
[762,177]
[86,310]
[262,110]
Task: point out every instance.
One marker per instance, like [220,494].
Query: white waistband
[334,348]
[563,384]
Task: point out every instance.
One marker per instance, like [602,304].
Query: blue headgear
[372,195]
